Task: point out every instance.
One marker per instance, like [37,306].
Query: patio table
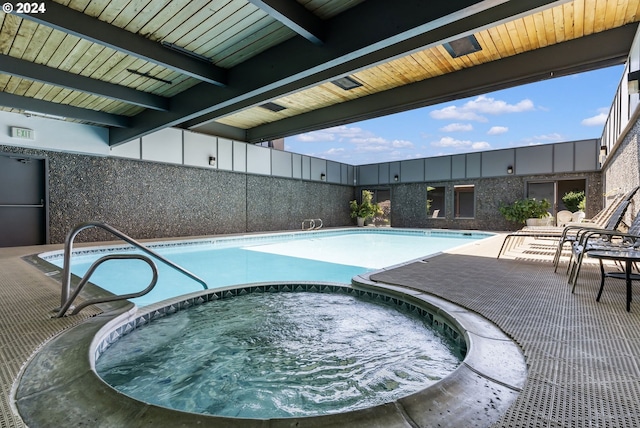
[629,257]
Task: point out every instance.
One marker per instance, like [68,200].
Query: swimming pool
[328,256]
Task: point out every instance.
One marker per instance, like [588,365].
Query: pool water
[317,256]
[297,354]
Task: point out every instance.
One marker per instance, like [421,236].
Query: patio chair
[602,240]
[608,219]
[568,233]
[563,217]
[577,217]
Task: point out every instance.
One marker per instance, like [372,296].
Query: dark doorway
[382,197]
[23,195]
[566,186]
[553,191]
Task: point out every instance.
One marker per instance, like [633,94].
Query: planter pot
[547,221]
[360,221]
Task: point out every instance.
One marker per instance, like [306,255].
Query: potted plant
[523,210]
[574,201]
[366,209]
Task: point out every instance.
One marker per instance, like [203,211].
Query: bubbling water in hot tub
[272,355]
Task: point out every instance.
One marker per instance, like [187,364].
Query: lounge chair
[566,235]
[602,240]
[572,233]
[607,219]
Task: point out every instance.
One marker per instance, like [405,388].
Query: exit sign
[24,133]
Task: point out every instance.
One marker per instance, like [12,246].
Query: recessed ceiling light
[346,83]
[464,46]
[272,107]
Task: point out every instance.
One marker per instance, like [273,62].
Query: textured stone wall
[155,200]
[622,171]
[281,204]
[408,201]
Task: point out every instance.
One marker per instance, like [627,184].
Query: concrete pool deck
[582,356]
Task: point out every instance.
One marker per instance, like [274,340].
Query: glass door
[544,190]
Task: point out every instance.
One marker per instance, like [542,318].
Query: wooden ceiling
[137,66]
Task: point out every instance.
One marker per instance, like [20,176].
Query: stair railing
[311,222]
[66,300]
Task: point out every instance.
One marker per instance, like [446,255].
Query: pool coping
[59,385]
[222,240]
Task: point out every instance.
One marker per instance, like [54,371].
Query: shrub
[522,209]
[574,201]
[367,208]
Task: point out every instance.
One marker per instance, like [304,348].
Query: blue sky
[561,109]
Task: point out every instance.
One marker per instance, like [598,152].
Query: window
[435,202]
[464,201]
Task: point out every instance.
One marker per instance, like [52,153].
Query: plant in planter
[524,209]
[366,209]
[574,201]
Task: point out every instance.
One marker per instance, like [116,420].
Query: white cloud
[401,144]
[597,120]
[451,142]
[363,140]
[554,137]
[497,130]
[312,137]
[367,140]
[337,133]
[461,144]
[456,113]
[474,109]
[481,145]
[335,151]
[456,127]
[488,105]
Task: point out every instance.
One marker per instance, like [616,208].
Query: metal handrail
[312,223]
[64,308]
[68,249]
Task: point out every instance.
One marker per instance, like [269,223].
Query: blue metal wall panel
[495,163]
[412,171]
[438,168]
[534,160]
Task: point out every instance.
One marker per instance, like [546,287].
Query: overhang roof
[137,66]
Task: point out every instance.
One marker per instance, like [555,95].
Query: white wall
[173,146]
[56,135]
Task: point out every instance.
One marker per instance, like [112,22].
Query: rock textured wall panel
[409,201]
[621,172]
[156,200]
[282,204]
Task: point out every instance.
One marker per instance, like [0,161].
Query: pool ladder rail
[311,222]
[67,297]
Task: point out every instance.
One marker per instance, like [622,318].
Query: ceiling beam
[41,73]
[295,16]
[362,36]
[584,54]
[62,110]
[86,27]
